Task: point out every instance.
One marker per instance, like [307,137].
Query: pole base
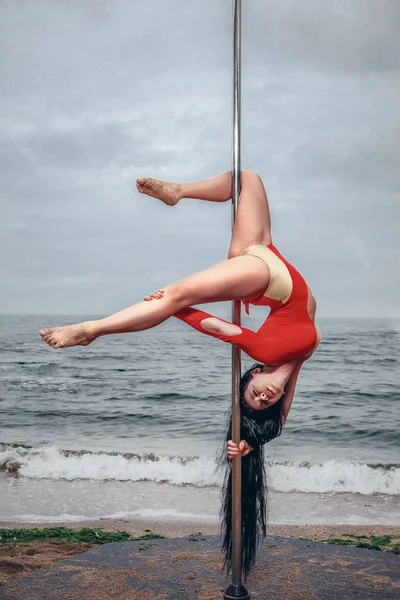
[236,592]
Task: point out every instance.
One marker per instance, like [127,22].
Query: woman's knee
[251,183]
[250,175]
[178,294]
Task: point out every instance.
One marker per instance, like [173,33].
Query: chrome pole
[236,589]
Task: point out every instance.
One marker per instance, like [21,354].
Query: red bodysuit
[287,333]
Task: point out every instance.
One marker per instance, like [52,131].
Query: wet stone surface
[190,569]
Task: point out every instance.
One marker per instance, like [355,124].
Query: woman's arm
[213,326]
[291,384]
[290,389]
[247,340]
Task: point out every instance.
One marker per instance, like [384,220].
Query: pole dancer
[255,273]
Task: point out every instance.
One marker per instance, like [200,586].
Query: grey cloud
[96,95]
[366,162]
[356,36]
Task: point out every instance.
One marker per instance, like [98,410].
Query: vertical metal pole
[236,363]
[236,589]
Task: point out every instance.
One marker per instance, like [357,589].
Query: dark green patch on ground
[388,543]
[12,537]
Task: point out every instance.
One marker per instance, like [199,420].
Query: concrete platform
[189,569]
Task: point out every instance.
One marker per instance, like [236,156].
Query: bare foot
[169,193]
[81,334]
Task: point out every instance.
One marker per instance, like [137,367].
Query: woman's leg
[216,189]
[234,279]
[253,221]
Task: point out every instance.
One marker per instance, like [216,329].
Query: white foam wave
[331,476]
[50,463]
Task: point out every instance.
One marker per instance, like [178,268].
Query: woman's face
[263,390]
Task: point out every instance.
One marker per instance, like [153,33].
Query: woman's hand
[234,449]
[157,295]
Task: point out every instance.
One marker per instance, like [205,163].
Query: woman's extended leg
[253,221]
[234,279]
[215,189]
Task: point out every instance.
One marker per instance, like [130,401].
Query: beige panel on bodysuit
[280,284]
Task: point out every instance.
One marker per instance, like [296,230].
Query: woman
[258,274]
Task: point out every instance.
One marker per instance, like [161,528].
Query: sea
[131,426]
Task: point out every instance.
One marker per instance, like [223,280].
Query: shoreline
[181,528]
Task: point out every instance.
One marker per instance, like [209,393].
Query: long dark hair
[257,427]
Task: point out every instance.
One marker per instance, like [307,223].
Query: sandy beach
[17,561]
[173,529]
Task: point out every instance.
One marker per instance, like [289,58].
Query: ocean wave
[49,462]
[334,476]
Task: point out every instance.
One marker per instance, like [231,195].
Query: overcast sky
[96,93]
